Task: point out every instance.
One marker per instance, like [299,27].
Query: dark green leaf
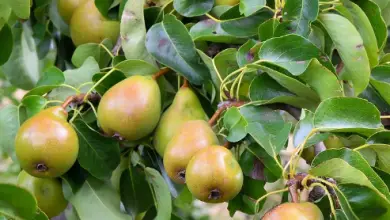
[350,47]
[108,82]
[193,8]
[267,29]
[33,104]
[98,155]
[7,43]
[16,202]
[94,50]
[341,115]
[300,14]
[170,43]
[380,80]
[52,78]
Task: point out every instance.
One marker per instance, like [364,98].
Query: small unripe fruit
[294,211]
[333,142]
[48,193]
[213,175]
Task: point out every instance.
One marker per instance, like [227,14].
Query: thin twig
[222,108]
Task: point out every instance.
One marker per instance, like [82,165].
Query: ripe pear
[67,7]
[89,26]
[294,211]
[48,193]
[333,142]
[226,2]
[47,145]
[189,139]
[185,107]
[213,175]
[131,108]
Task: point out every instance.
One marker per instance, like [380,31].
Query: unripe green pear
[308,154]
[213,175]
[89,26]
[48,193]
[185,107]
[294,211]
[333,142]
[191,137]
[67,7]
[131,108]
[46,145]
[226,2]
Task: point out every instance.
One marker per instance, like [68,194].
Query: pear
[46,145]
[294,211]
[48,193]
[189,139]
[227,2]
[131,108]
[213,175]
[185,107]
[66,8]
[333,142]
[89,26]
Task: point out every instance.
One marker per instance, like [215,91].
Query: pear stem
[185,83]
[223,106]
[79,99]
[161,73]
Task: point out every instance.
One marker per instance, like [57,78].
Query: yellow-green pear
[294,211]
[213,175]
[47,191]
[89,26]
[46,145]
[185,107]
[131,108]
[227,2]
[191,137]
[67,7]
[333,142]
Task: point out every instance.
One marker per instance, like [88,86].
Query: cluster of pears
[87,24]
[294,211]
[46,146]
[191,153]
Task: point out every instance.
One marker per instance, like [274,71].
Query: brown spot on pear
[294,211]
[131,108]
[189,139]
[46,145]
[89,26]
[213,175]
[185,107]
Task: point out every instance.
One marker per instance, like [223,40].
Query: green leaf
[210,30]
[94,50]
[293,53]
[33,104]
[267,29]
[9,125]
[162,194]
[22,67]
[40,215]
[97,200]
[75,78]
[225,62]
[5,12]
[350,47]
[98,155]
[21,8]
[246,26]
[235,124]
[249,7]
[381,3]
[135,191]
[7,43]
[170,43]
[356,160]
[372,11]
[357,17]
[193,8]
[265,90]
[73,180]
[57,20]
[136,67]
[108,82]
[342,115]
[247,52]
[380,80]
[303,128]
[298,15]
[16,202]
[317,37]
[386,14]
[374,97]
[133,32]
[52,78]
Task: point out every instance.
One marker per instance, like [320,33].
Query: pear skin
[189,139]
[294,211]
[213,175]
[185,107]
[47,145]
[227,2]
[66,8]
[333,142]
[47,191]
[131,108]
[89,26]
